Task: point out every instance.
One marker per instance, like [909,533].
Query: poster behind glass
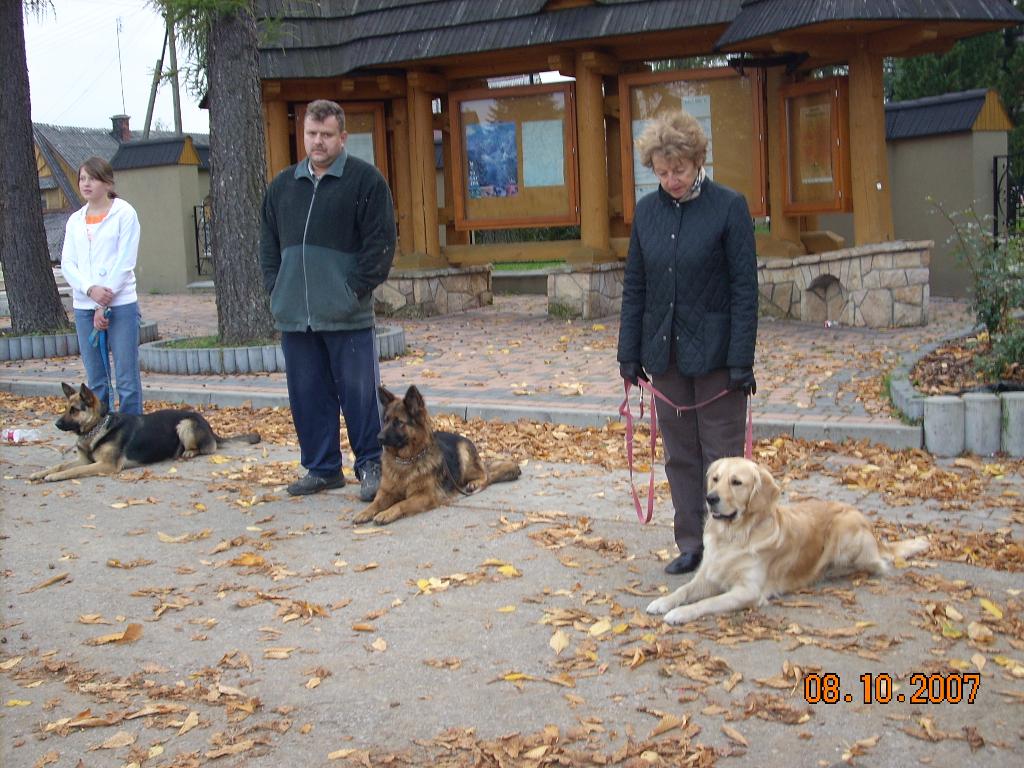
[515,168]
[725,106]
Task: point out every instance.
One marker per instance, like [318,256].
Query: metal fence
[1007,195]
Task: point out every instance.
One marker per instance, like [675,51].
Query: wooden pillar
[402,182]
[426,242]
[872,199]
[278,137]
[784,231]
[593,166]
[452,236]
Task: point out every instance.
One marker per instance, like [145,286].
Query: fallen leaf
[668,722]
[991,607]
[11,663]
[559,642]
[234,749]
[48,583]
[734,735]
[131,633]
[118,740]
[17,703]
[190,722]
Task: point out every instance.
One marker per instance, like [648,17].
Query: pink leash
[624,411]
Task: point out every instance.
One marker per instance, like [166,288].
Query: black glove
[631,372]
[743,379]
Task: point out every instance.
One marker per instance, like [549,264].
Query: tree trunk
[237,178]
[28,277]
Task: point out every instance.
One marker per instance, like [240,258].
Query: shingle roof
[948,113]
[149,153]
[336,37]
[759,18]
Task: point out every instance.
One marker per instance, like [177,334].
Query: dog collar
[413,460]
[99,429]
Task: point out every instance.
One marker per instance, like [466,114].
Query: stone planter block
[192,361]
[944,425]
[37,347]
[255,355]
[981,423]
[5,349]
[241,360]
[229,360]
[50,346]
[269,359]
[1013,423]
[279,355]
[204,366]
[73,344]
[61,345]
[216,360]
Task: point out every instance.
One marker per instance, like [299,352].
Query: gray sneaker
[369,481]
[314,484]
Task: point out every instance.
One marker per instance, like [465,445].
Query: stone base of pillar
[586,292]
[428,292]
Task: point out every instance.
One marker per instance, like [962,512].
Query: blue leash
[99,338]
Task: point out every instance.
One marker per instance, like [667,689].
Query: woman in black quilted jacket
[689,315]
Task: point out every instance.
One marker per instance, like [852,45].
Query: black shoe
[686,562]
[314,484]
[369,481]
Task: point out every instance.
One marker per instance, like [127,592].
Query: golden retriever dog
[756,548]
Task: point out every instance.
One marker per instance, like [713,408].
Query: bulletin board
[730,109]
[364,123]
[514,152]
[816,146]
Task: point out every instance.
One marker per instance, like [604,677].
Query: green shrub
[1005,358]
[996,265]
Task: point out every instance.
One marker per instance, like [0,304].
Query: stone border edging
[154,357]
[57,344]
[953,424]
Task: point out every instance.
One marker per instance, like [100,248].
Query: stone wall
[884,285]
[428,292]
[586,291]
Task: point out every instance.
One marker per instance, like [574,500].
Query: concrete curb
[56,344]
[155,356]
[896,436]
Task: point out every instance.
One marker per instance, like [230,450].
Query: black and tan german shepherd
[422,469]
[108,443]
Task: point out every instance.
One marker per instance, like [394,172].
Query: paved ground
[507,629]
[275,633]
[512,361]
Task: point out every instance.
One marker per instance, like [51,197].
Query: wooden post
[872,199]
[784,230]
[452,236]
[593,166]
[400,140]
[426,241]
[275,123]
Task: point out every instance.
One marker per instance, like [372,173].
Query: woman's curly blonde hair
[676,135]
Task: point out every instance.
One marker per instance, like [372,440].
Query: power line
[120,68]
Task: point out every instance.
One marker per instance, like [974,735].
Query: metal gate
[1007,195]
[203,214]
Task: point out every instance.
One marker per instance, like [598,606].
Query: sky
[75,75]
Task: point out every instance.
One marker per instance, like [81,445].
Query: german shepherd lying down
[108,443]
[422,469]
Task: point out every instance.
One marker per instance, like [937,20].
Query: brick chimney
[120,130]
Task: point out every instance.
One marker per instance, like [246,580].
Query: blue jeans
[123,344]
[328,372]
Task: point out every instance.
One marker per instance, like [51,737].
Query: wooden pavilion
[518,152]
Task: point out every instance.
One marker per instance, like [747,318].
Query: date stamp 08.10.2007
[933,688]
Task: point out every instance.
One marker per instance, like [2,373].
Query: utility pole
[157,74]
[174,76]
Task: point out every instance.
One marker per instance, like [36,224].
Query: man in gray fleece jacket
[328,239]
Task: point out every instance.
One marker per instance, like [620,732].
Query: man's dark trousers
[328,372]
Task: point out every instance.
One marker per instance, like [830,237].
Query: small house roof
[949,113]
[763,18]
[336,37]
[149,153]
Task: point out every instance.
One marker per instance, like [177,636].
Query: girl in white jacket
[101,244]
